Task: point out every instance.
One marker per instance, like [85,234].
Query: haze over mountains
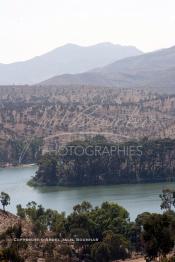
[104,64]
[155,70]
[68,59]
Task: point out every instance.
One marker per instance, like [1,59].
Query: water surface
[135,198]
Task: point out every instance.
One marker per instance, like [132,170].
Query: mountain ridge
[69,58]
[154,70]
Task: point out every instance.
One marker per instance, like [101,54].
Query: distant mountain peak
[154,71]
[68,45]
[67,59]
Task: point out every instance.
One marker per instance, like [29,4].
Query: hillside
[153,70]
[66,59]
[7,220]
[38,119]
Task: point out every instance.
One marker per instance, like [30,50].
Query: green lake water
[135,198]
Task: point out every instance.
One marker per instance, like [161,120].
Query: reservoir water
[135,198]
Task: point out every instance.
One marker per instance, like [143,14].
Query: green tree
[168,199]
[113,246]
[157,235]
[101,252]
[118,245]
[83,207]
[20,211]
[5,199]
[47,173]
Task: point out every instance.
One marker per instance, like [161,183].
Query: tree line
[130,162]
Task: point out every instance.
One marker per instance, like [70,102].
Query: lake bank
[8,165]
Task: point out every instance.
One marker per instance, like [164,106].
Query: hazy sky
[32,27]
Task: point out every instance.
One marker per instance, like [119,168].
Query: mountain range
[67,59]
[155,71]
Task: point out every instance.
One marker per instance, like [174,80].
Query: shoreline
[35,184]
[16,166]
